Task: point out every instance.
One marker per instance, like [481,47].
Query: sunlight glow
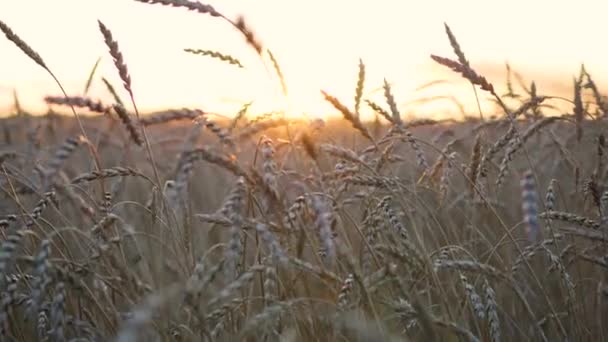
[317,44]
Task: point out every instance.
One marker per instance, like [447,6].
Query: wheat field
[182,225]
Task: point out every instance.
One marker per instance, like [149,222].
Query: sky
[317,43]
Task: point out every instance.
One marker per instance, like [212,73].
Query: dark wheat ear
[245,29]
[579,111]
[463,67]
[466,72]
[126,79]
[23,46]
[190,5]
[87,85]
[117,56]
[13,37]
[196,6]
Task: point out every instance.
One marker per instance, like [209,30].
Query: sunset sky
[317,43]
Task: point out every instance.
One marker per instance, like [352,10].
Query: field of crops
[182,225]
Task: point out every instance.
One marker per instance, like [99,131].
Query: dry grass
[270,229]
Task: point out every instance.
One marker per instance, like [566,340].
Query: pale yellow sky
[317,42]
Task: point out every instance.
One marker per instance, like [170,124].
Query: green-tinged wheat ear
[390,100]
[492,312]
[190,5]
[218,55]
[378,109]
[227,162]
[278,70]
[509,83]
[251,39]
[87,85]
[348,115]
[239,115]
[360,84]
[466,72]
[112,91]
[457,50]
[599,99]
[571,218]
